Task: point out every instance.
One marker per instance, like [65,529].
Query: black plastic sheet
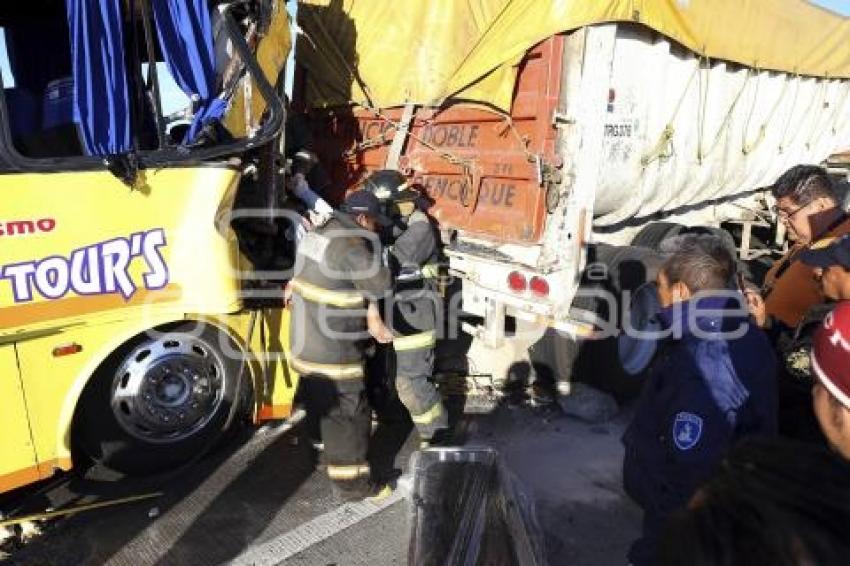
[468,509]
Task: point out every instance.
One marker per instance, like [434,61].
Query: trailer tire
[719,233]
[651,235]
[162,400]
[654,234]
[598,363]
[563,359]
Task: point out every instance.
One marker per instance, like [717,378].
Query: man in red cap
[831,365]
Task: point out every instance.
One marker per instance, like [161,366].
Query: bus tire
[162,400]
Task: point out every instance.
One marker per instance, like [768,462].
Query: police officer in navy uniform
[339,279]
[413,258]
[712,382]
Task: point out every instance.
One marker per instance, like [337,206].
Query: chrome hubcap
[168,388]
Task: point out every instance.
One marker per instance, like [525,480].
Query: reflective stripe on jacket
[338,270]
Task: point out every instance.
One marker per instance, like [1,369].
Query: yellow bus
[136,325]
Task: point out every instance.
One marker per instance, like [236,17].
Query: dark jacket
[703,393]
[338,271]
[413,256]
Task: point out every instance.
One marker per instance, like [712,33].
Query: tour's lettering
[98,269]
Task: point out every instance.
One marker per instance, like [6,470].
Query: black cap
[831,251]
[364,202]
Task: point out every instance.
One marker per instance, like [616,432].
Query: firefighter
[413,256]
[339,278]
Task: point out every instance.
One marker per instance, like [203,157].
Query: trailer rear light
[67,350]
[539,287]
[517,282]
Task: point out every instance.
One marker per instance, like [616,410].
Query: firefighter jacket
[338,271]
[413,257]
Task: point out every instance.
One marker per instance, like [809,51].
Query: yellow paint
[191,206]
[54,385]
[275,383]
[280,380]
[16,449]
[88,208]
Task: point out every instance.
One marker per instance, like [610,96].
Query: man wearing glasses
[806,204]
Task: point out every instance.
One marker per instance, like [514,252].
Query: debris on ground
[588,404]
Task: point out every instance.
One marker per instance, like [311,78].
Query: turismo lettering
[99,269]
[23,227]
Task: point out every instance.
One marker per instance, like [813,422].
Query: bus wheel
[162,401]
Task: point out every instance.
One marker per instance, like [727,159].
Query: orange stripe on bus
[274,412]
[32,474]
[21,315]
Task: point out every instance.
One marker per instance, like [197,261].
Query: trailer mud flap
[468,509]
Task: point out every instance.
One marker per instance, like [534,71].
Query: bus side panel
[479,166]
[53,385]
[275,383]
[281,382]
[81,247]
[18,464]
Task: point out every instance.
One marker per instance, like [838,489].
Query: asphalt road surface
[261,499]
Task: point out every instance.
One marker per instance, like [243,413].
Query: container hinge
[562,119]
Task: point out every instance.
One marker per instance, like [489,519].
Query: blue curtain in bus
[185,34]
[101,95]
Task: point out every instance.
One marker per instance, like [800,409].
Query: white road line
[315,531]
[167,530]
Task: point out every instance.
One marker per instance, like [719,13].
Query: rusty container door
[480,167]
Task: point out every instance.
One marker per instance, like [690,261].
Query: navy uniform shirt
[703,393]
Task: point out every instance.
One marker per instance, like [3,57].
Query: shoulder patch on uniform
[313,246]
[823,243]
[687,429]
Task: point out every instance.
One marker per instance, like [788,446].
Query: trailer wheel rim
[169,388]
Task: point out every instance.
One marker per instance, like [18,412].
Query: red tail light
[539,287]
[517,282]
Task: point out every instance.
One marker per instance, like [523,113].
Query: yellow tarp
[425,51]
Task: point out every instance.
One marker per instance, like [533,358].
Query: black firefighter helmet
[390,186]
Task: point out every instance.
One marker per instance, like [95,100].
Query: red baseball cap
[831,353]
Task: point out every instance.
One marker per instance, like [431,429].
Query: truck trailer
[561,141]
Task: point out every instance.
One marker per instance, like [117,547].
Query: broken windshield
[78,78]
